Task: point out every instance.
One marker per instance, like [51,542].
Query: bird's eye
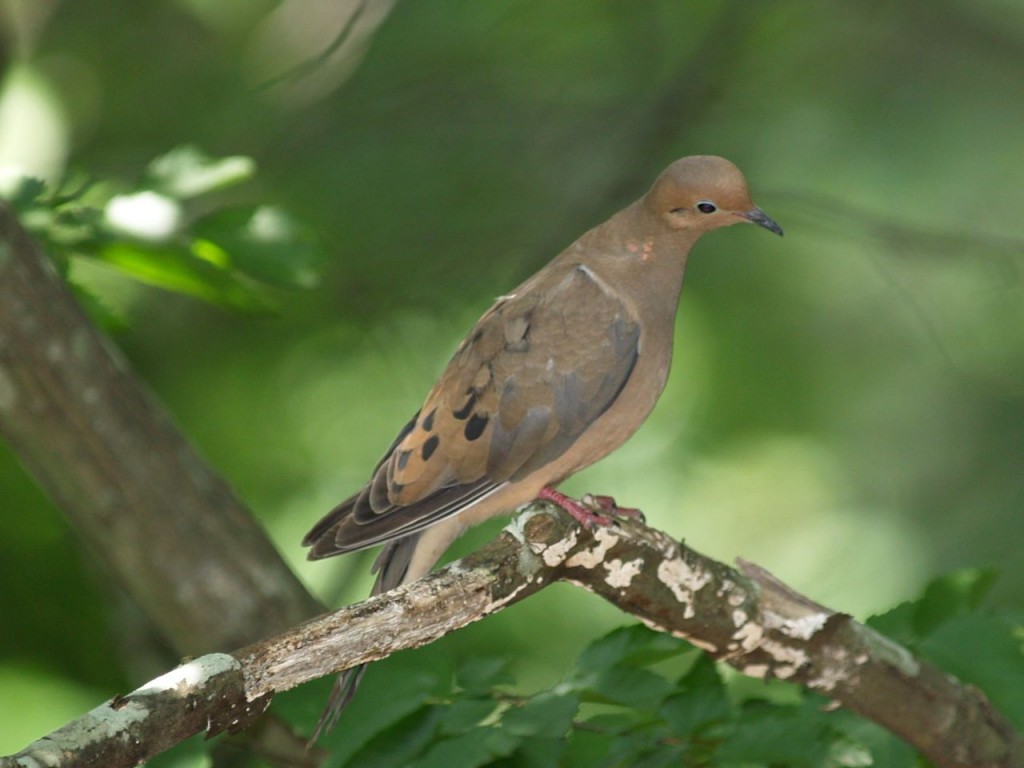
[705,207]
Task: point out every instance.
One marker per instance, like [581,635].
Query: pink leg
[586,516]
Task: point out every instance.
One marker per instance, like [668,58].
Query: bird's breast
[625,415]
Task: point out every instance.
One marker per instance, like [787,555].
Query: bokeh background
[846,406]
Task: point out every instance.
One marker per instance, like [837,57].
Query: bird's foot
[608,504]
[585,514]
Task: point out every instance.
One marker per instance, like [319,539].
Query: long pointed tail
[391,567]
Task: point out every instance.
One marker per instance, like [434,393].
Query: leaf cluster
[181,228]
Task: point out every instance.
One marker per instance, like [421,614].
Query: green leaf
[885,748]
[546,714]
[24,194]
[222,257]
[393,691]
[396,746]
[265,243]
[950,595]
[634,644]
[659,756]
[768,735]
[535,752]
[57,220]
[954,594]
[465,714]
[187,172]
[395,687]
[474,748]
[479,675]
[639,745]
[986,651]
[588,749]
[175,270]
[629,686]
[897,623]
[702,700]
[617,722]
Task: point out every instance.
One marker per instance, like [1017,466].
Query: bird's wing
[532,375]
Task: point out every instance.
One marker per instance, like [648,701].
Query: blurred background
[846,406]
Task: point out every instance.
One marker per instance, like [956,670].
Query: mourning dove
[555,376]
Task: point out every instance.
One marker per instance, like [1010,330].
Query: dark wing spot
[464,411]
[403,459]
[475,427]
[429,446]
[428,420]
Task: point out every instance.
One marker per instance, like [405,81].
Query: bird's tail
[391,567]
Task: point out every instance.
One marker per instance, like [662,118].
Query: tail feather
[391,567]
[344,690]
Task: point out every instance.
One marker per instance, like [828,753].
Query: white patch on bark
[788,659]
[735,599]
[755,670]
[704,645]
[804,627]
[191,674]
[555,553]
[593,557]
[748,636]
[496,605]
[683,581]
[831,673]
[620,574]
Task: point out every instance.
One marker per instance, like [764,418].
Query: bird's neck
[638,250]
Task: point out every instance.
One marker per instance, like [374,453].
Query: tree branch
[171,530]
[748,619]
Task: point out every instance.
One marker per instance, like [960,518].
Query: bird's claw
[586,515]
[592,509]
[608,504]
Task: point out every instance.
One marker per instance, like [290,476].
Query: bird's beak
[762,219]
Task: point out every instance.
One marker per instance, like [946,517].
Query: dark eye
[705,207]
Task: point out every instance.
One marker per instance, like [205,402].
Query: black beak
[762,219]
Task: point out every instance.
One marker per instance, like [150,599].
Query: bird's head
[704,192]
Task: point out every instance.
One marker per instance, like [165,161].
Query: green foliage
[642,698]
[176,230]
[949,626]
[955,594]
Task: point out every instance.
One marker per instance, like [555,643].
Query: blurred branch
[904,238]
[749,619]
[318,61]
[998,260]
[343,51]
[168,528]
